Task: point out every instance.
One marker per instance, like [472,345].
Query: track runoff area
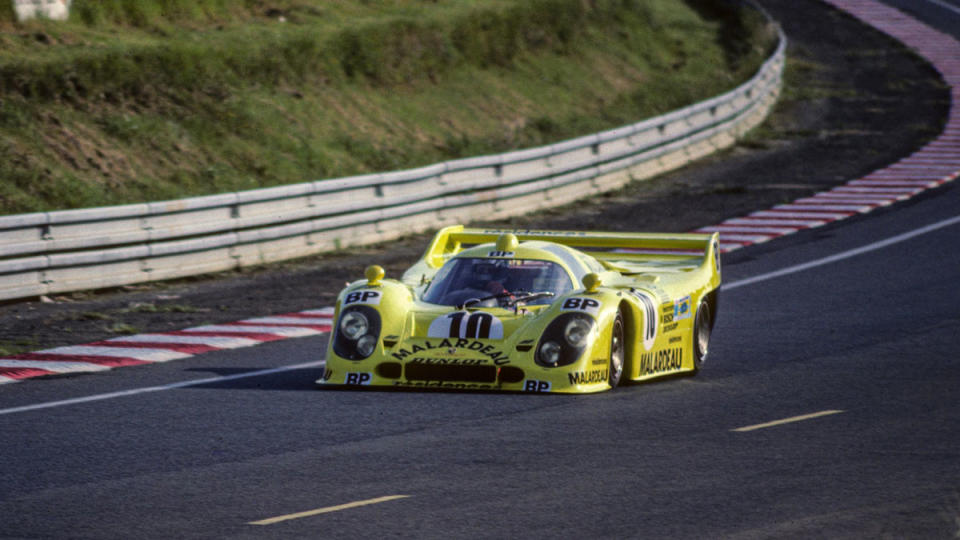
[929,167]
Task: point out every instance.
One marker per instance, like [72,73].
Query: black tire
[702,326]
[617,351]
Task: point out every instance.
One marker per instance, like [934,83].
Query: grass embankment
[135,100]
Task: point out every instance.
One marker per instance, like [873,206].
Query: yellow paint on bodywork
[374,275]
[656,282]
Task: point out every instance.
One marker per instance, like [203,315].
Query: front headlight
[366,345]
[357,333]
[353,325]
[549,353]
[564,339]
[576,332]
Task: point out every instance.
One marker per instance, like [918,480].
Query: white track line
[162,388]
[944,5]
[844,255]
[327,510]
[787,421]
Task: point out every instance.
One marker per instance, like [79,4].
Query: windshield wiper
[523,296]
[515,297]
[473,301]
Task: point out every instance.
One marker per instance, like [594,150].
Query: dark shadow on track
[304,380]
[293,380]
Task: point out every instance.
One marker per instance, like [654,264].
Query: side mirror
[374,275]
[592,282]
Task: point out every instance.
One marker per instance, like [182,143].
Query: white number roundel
[462,324]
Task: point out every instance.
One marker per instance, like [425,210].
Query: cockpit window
[464,279]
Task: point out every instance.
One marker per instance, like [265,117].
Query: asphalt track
[851,335]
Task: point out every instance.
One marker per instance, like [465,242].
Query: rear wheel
[701,334]
[617,351]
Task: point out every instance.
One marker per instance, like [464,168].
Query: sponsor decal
[363,296]
[531,385]
[450,361]
[497,357]
[446,385]
[670,327]
[531,232]
[681,309]
[361,379]
[661,361]
[599,361]
[588,305]
[505,254]
[650,318]
[588,377]
[463,324]
[667,318]
[676,339]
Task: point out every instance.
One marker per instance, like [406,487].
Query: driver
[492,276]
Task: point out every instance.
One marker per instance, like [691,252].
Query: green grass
[136,100]
[149,307]
[17,346]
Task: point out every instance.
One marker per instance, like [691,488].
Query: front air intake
[441,372]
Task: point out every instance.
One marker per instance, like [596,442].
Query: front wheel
[701,334]
[617,353]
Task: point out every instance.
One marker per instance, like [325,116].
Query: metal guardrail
[62,251]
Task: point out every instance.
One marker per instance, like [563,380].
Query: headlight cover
[577,331]
[354,325]
[564,340]
[549,353]
[366,345]
[357,334]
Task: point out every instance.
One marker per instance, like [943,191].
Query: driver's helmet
[487,271]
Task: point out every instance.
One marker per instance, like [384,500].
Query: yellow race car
[530,311]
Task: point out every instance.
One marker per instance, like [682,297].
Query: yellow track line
[787,420]
[326,510]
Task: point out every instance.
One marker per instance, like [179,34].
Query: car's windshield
[500,281]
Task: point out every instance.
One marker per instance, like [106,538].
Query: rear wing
[617,250]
